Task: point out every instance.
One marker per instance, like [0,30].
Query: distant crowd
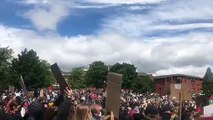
[89,104]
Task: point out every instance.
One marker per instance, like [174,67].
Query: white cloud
[136,7]
[171,16]
[182,26]
[35,1]
[188,54]
[122,36]
[46,15]
[125,1]
[182,10]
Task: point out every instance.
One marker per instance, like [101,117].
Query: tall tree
[5,62]
[96,75]
[77,79]
[208,82]
[207,88]
[143,84]
[36,72]
[128,71]
[208,75]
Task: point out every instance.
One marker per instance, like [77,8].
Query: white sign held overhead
[208,111]
[177,86]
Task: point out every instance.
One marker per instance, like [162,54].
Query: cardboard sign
[114,82]
[183,89]
[11,88]
[41,93]
[208,111]
[58,76]
[178,86]
[23,85]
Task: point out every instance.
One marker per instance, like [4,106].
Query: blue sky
[158,36]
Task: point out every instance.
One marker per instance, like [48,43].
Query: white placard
[177,86]
[208,111]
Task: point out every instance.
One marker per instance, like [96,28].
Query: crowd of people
[89,104]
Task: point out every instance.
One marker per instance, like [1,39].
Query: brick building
[162,83]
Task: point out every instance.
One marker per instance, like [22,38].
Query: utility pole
[180,98]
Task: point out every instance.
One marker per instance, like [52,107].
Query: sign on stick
[23,85]
[11,88]
[58,76]
[114,82]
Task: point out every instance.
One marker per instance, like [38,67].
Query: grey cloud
[159,55]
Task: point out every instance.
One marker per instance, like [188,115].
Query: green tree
[143,84]
[208,82]
[36,72]
[77,79]
[5,63]
[128,71]
[208,75]
[96,75]
[207,88]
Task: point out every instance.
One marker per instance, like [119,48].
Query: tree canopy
[36,72]
[96,75]
[208,75]
[208,82]
[77,79]
[143,84]
[5,64]
[128,71]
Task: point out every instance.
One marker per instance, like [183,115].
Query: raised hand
[112,116]
[68,91]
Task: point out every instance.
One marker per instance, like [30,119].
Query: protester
[89,104]
[82,112]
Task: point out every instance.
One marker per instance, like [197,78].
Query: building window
[179,80]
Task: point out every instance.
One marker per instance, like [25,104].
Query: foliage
[208,75]
[36,72]
[128,71]
[143,84]
[5,62]
[208,88]
[77,80]
[96,75]
[208,82]
[5,56]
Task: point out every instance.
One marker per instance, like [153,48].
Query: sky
[157,36]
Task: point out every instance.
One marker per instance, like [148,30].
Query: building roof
[65,73]
[177,75]
[142,74]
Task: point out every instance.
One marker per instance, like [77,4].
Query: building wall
[162,85]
